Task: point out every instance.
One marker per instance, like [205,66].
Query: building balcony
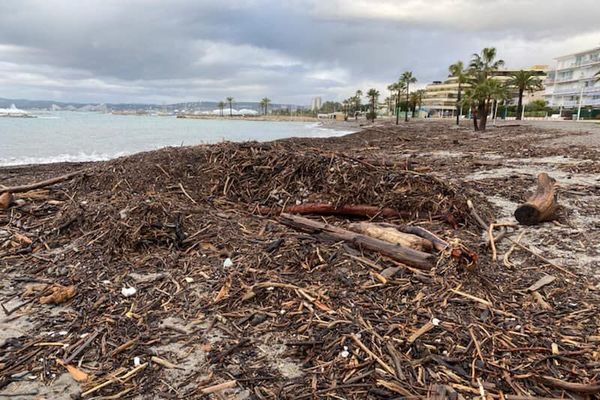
[572,90]
[582,64]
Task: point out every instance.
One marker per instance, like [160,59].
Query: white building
[572,82]
[316,104]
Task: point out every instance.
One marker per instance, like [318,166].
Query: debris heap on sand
[174,277]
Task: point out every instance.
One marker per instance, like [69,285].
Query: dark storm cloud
[290,51]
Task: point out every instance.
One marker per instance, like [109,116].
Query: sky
[157,51]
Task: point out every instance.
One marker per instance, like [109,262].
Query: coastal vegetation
[373,95]
[458,71]
[524,81]
[221,106]
[407,78]
[416,99]
[230,102]
[264,104]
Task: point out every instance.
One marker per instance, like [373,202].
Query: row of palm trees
[397,90]
[264,105]
[478,89]
[482,90]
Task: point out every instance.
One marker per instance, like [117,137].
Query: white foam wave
[79,157]
[318,126]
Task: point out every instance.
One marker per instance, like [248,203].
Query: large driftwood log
[329,209]
[542,205]
[37,185]
[324,231]
[392,235]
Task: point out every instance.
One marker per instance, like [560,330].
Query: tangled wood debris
[233,294]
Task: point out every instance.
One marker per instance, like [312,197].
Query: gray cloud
[184,50]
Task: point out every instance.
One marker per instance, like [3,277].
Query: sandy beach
[178,272]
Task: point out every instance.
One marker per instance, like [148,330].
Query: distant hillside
[198,106]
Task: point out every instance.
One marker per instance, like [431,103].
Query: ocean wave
[318,126]
[79,157]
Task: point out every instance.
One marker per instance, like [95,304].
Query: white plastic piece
[128,291]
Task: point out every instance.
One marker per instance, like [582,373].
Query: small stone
[227,263]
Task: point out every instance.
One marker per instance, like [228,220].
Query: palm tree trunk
[458,106]
[406,114]
[520,104]
[230,111]
[398,107]
[474,115]
[483,115]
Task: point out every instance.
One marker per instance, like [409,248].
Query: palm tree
[396,88]
[221,106]
[230,101]
[481,70]
[264,103]
[458,71]
[597,75]
[373,95]
[407,78]
[524,80]
[416,99]
[393,88]
[357,97]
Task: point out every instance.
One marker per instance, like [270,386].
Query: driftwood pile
[175,274]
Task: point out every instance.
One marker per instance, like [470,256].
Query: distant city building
[316,104]
[440,97]
[573,80]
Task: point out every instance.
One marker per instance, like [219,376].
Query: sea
[88,136]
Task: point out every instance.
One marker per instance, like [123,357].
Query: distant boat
[14,112]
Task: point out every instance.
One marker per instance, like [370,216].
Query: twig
[219,387]
[186,193]
[41,184]
[373,355]
[492,244]
[558,267]
[116,379]
[505,259]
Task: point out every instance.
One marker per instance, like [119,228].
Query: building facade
[572,84]
[440,97]
[316,104]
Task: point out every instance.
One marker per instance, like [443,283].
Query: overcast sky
[289,50]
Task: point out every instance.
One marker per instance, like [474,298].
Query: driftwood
[438,243]
[408,256]
[329,209]
[542,205]
[589,388]
[41,184]
[6,199]
[392,235]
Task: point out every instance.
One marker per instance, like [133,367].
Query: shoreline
[328,127]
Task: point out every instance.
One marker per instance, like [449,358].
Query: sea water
[87,136]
